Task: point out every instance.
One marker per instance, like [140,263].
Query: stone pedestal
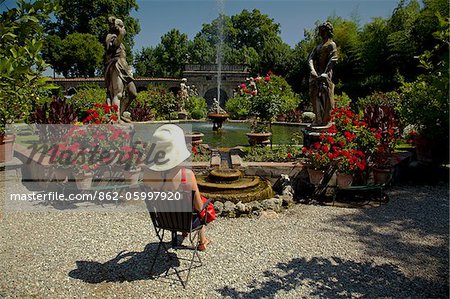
[182,115]
[311,134]
[218,119]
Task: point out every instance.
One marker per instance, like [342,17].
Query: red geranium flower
[243,85]
[194,150]
[267,78]
[126,149]
[330,139]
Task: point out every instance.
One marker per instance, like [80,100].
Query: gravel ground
[397,250]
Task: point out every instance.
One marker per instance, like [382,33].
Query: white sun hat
[170,140]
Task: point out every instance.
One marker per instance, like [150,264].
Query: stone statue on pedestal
[321,88]
[215,108]
[118,77]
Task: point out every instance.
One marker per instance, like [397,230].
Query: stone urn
[315,176]
[381,175]
[132,176]
[259,138]
[83,180]
[194,138]
[6,147]
[344,180]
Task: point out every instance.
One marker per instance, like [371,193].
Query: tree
[250,38]
[401,45]
[78,55]
[172,52]
[200,51]
[146,63]
[20,62]
[91,17]
[82,55]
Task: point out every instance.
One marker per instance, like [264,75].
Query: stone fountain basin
[242,183]
[261,191]
[226,184]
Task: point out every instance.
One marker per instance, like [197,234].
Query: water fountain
[217,114]
[229,184]
[225,183]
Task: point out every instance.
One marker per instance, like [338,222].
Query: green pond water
[233,134]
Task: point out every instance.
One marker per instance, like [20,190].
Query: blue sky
[157,17]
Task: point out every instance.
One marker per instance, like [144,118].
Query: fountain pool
[233,133]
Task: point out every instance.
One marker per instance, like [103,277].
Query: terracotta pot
[132,176]
[61,174]
[259,138]
[83,180]
[381,175]
[7,148]
[344,180]
[194,138]
[315,176]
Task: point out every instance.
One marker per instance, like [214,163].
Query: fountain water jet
[217,114]
[225,183]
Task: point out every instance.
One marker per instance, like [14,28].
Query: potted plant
[349,163]
[319,159]
[96,143]
[20,66]
[382,118]
[346,145]
[424,102]
[266,97]
[260,133]
[131,159]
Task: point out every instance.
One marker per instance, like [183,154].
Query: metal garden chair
[176,216]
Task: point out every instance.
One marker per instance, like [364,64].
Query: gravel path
[397,250]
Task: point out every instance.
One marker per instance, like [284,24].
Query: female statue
[118,76]
[321,88]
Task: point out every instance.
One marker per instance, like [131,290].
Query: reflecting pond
[233,133]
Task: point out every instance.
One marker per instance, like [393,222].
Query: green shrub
[197,114]
[342,100]
[424,102]
[238,107]
[391,99]
[85,98]
[157,98]
[196,107]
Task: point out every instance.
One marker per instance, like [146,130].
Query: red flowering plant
[102,114]
[382,117]
[319,155]
[265,98]
[200,153]
[132,157]
[347,144]
[98,142]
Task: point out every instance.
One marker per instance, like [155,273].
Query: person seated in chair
[169,173]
